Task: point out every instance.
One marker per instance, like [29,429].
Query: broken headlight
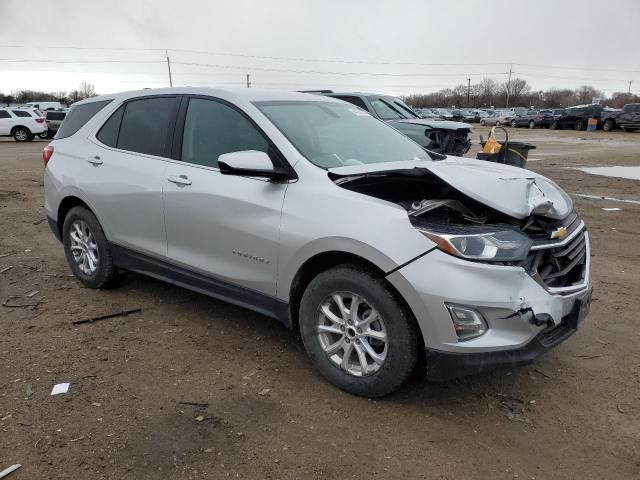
[499,246]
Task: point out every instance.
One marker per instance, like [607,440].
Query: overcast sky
[396,47]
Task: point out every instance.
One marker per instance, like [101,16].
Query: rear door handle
[180,180]
[95,160]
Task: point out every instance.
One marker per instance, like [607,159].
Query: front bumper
[507,297]
[443,366]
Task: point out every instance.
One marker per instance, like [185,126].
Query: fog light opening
[468,323]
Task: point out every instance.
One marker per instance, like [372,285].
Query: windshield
[335,135]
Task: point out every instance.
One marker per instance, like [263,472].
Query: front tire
[43,135]
[555,125]
[86,248]
[357,333]
[483,123]
[22,134]
[514,124]
[608,125]
[532,124]
[579,125]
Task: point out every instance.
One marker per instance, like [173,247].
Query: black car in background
[628,118]
[577,117]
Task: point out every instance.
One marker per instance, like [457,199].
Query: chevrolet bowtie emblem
[559,233]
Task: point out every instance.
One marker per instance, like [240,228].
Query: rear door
[6,122]
[125,171]
[224,227]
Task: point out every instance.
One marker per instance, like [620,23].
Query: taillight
[39,120]
[46,154]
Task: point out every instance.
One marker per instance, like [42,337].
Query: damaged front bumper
[524,319]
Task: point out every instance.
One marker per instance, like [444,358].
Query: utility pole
[630,82]
[509,84]
[248,81]
[468,91]
[169,68]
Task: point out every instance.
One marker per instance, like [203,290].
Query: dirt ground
[574,413]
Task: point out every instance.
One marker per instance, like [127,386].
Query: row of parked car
[27,121]
[577,117]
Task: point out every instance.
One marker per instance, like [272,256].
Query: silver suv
[308,210]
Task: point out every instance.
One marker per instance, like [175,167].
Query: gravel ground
[254,407]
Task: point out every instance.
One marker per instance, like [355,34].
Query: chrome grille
[562,266]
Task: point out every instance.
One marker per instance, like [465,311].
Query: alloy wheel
[84,247]
[21,135]
[352,333]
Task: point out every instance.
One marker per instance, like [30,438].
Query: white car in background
[21,123]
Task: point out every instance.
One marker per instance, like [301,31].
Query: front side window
[55,116]
[334,134]
[213,128]
[146,124]
[21,113]
[384,110]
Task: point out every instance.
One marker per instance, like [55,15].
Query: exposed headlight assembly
[498,246]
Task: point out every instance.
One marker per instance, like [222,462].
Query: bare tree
[86,90]
[485,92]
[586,94]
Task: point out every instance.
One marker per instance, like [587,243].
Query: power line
[320,72]
[316,60]
[13,60]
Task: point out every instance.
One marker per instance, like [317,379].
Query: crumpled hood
[446,124]
[514,191]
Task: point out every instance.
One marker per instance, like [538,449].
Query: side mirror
[250,163]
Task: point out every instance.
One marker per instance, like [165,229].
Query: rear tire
[608,125]
[395,343]
[483,123]
[22,134]
[514,124]
[86,248]
[498,124]
[532,124]
[579,125]
[555,125]
[43,135]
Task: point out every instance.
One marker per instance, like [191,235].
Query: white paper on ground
[60,388]
[612,209]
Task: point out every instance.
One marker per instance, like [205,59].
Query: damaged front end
[449,138]
[499,215]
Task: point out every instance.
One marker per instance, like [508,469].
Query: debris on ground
[9,470]
[60,388]
[612,209]
[514,407]
[124,313]
[10,304]
[587,357]
[6,269]
[264,391]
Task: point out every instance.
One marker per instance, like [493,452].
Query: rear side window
[4,114]
[212,128]
[55,116]
[21,113]
[78,116]
[146,124]
[108,134]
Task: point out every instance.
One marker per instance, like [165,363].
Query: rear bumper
[442,366]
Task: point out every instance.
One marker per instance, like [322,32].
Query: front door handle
[180,180]
[95,160]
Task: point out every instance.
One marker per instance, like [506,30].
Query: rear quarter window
[21,113]
[78,116]
[4,114]
[56,116]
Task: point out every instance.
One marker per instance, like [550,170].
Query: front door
[222,226]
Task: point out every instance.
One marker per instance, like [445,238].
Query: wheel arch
[15,127]
[66,205]
[324,261]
